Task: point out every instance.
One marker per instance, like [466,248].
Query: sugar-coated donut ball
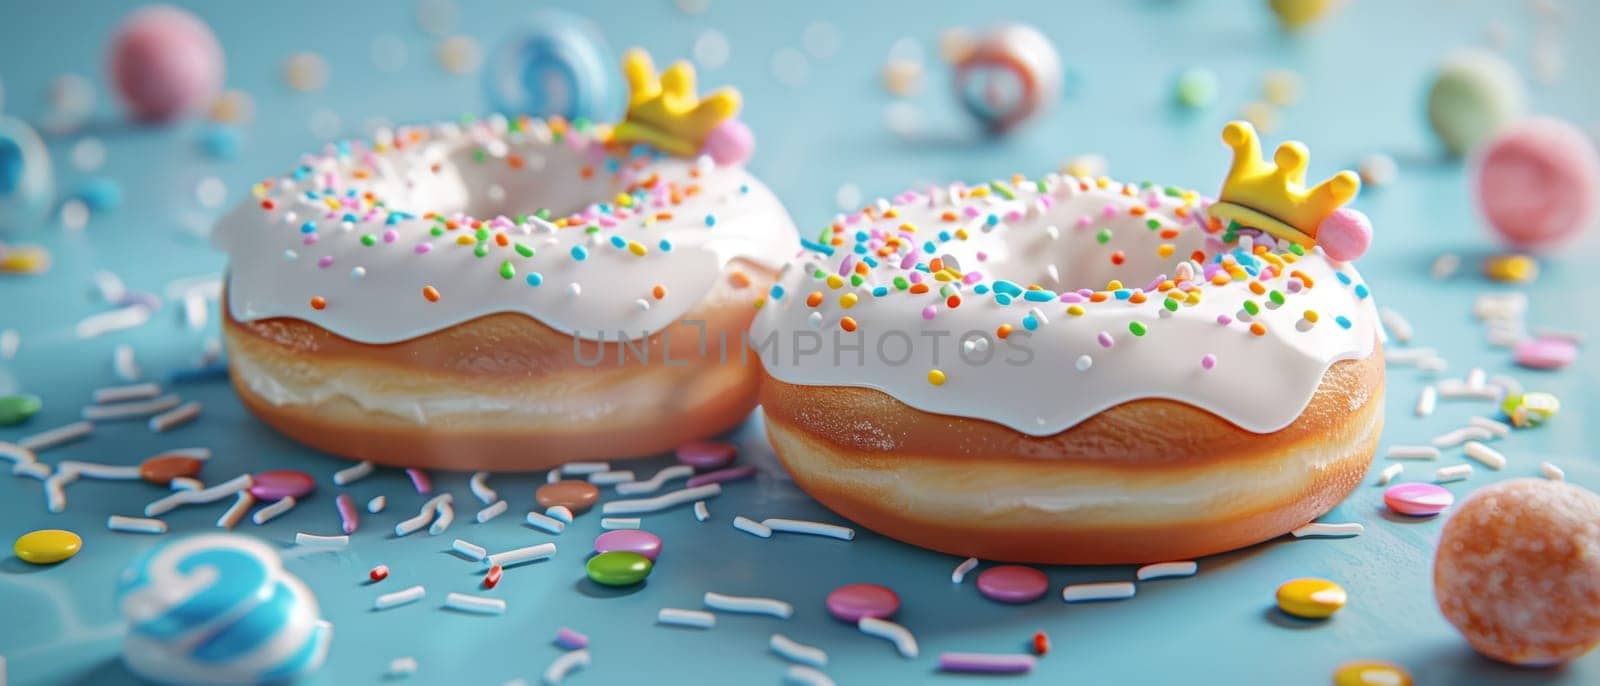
[1345,235]
[1518,571]
[1473,94]
[1538,182]
[165,62]
[731,142]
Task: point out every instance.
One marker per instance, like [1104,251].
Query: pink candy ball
[730,143]
[165,62]
[1538,182]
[1345,235]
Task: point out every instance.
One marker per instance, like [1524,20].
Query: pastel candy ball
[1418,499]
[1011,75]
[629,540]
[1474,93]
[851,602]
[278,484]
[730,143]
[1545,353]
[1196,88]
[1345,235]
[1517,571]
[1013,584]
[1538,183]
[1311,598]
[165,62]
[27,186]
[618,568]
[559,65]
[47,546]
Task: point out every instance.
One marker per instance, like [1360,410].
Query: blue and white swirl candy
[26,185]
[218,609]
[558,65]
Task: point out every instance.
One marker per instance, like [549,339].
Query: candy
[558,65]
[1418,499]
[16,409]
[730,143]
[704,455]
[1517,569]
[1196,88]
[1473,94]
[1537,353]
[1012,74]
[1511,268]
[1298,14]
[1538,183]
[162,469]
[618,568]
[1530,409]
[1311,598]
[629,540]
[47,546]
[1371,673]
[1013,584]
[278,484]
[27,186]
[1344,235]
[852,602]
[165,62]
[25,259]
[572,494]
[306,72]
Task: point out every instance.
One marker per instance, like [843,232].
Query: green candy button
[16,409]
[618,568]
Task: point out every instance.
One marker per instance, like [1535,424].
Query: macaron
[1538,183]
[1474,93]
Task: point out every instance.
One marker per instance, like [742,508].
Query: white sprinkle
[532,553]
[377,504]
[1110,590]
[552,476]
[475,603]
[55,493]
[1476,378]
[479,483]
[116,394]
[961,570]
[444,515]
[585,467]
[205,495]
[1389,473]
[402,667]
[802,675]
[46,440]
[546,522]
[398,598]
[192,453]
[1427,401]
[1084,363]
[492,511]
[748,605]
[898,635]
[794,651]
[353,473]
[564,664]
[701,512]
[560,512]
[130,410]
[95,470]
[1459,436]
[122,363]
[801,526]
[608,478]
[661,502]
[751,526]
[268,513]
[1413,452]
[424,516]
[184,483]
[136,525]
[698,619]
[1453,473]
[1167,570]
[36,470]
[1408,355]
[315,541]
[17,454]
[1552,472]
[1500,429]
[1490,457]
[10,340]
[174,418]
[471,550]
[1396,324]
[1454,389]
[655,482]
[241,504]
[1445,266]
[610,523]
[1506,384]
[1325,530]
[194,311]
[115,320]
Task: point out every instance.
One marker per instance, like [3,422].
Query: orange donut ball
[1518,571]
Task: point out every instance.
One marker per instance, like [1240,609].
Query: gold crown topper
[664,112]
[1272,196]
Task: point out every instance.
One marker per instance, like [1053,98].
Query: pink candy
[629,540]
[1538,182]
[1418,499]
[703,455]
[1545,353]
[1345,235]
[1013,584]
[165,62]
[730,143]
[852,602]
[282,483]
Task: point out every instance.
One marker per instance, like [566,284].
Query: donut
[407,301]
[218,609]
[1078,371]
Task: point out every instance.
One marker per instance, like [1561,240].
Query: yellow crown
[1273,196]
[664,112]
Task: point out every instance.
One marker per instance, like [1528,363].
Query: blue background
[1364,72]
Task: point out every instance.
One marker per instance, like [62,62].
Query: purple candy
[1418,499]
[986,663]
[282,483]
[1545,353]
[721,475]
[852,602]
[707,454]
[571,640]
[1013,584]
[629,540]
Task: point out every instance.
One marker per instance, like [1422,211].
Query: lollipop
[165,62]
[559,65]
[218,609]
[26,186]
[1011,74]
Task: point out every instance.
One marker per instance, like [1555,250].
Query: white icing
[374,294]
[1260,383]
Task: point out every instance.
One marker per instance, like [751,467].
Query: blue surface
[1364,72]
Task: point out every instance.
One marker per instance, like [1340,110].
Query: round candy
[165,62]
[282,483]
[1418,499]
[1371,673]
[16,409]
[1012,74]
[1196,88]
[1311,598]
[852,602]
[1511,268]
[1536,353]
[1344,235]
[1298,14]
[162,469]
[577,496]
[618,568]
[730,143]
[558,65]
[1013,584]
[27,186]
[1530,409]
[47,546]
[1538,183]
[704,455]
[629,540]
[1517,571]
[1474,93]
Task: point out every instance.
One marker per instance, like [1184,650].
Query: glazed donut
[387,301]
[935,369]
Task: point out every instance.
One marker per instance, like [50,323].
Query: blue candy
[27,188]
[559,65]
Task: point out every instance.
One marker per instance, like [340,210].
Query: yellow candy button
[1311,598]
[47,546]
[1511,268]
[1371,673]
